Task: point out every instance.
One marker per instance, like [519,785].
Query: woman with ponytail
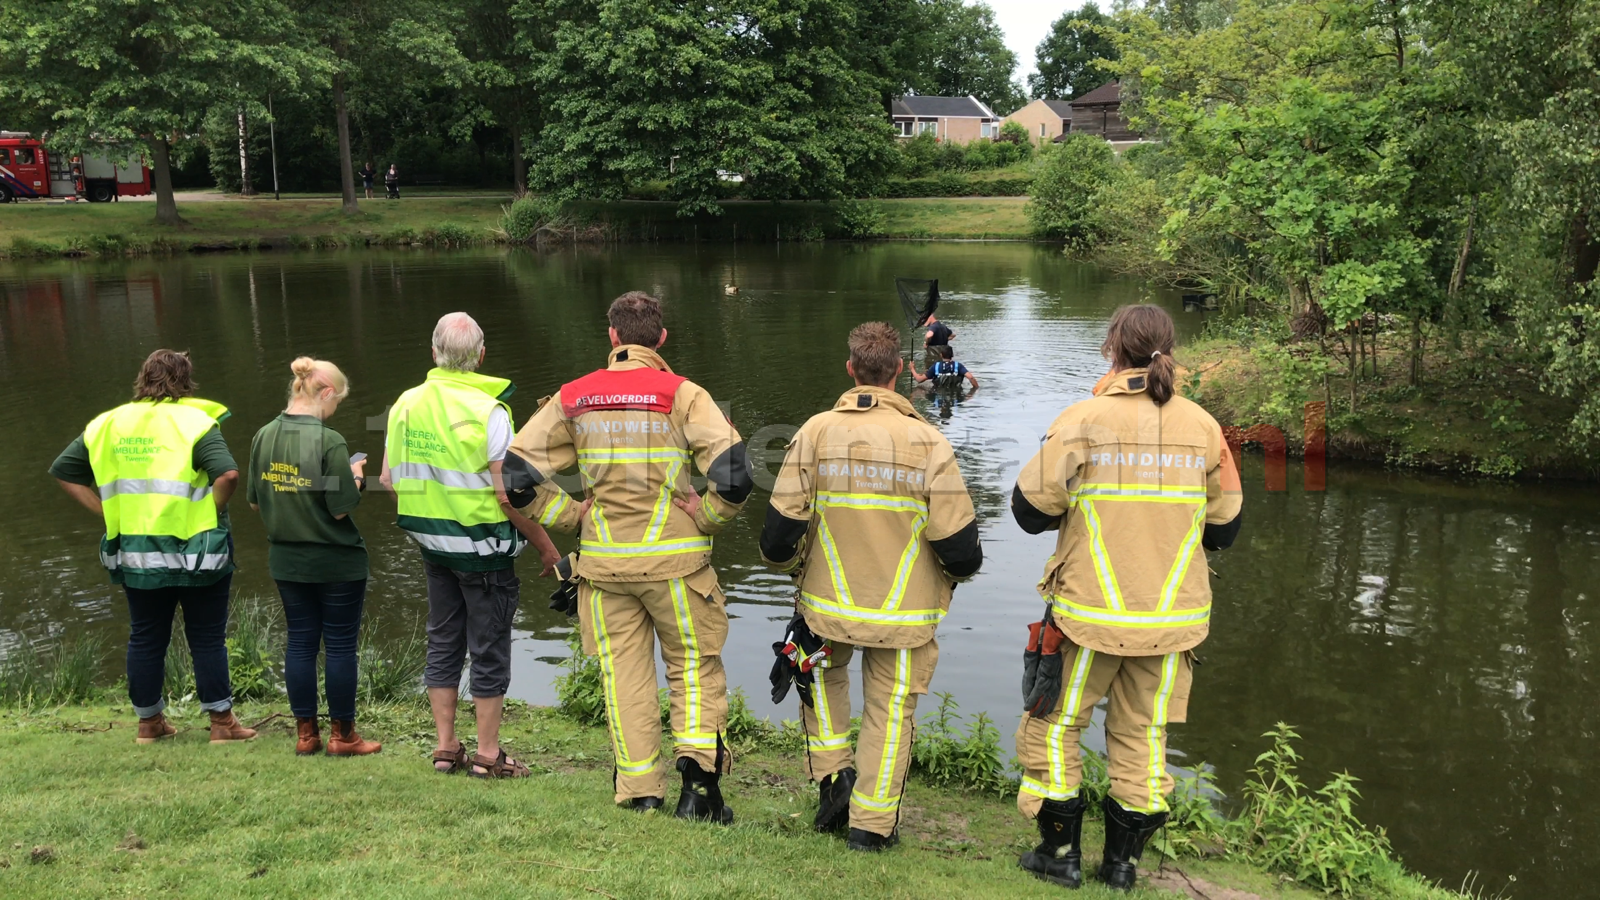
[1138,483]
[305,486]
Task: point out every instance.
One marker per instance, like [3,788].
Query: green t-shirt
[300,478]
[211,456]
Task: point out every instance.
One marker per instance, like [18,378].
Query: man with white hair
[444,451]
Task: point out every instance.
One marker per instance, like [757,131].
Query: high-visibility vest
[159,513]
[438,447]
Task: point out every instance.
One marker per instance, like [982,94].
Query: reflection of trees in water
[1436,644]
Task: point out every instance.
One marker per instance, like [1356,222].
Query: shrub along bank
[86,811]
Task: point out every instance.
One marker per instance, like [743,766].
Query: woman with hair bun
[305,486]
[1139,484]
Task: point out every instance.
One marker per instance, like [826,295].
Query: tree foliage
[1068,59]
[968,55]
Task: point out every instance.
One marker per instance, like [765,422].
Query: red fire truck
[29,170]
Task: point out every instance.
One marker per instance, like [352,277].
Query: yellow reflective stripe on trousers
[608,684]
[691,663]
[1067,717]
[658,518]
[1042,790]
[1130,618]
[1180,566]
[894,733]
[909,618]
[830,551]
[1156,731]
[1102,560]
[827,738]
[553,510]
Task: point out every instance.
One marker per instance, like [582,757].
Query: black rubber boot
[870,841]
[644,804]
[701,798]
[1126,833]
[833,800]
[1058,859]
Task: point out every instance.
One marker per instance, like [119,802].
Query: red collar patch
[645,389]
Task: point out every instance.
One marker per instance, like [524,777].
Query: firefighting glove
[798,654]
[1041,668]
[565,598]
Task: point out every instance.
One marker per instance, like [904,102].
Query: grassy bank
[86,812]
[1476,408]
[47,230]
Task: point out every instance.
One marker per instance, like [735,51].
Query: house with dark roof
[960,120]
[1045,120]
[1099,112]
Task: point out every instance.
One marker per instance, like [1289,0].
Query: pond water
[1435,638]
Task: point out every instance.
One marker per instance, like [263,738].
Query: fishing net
[918,299]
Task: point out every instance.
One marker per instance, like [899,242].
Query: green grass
[184,818]
[115,229]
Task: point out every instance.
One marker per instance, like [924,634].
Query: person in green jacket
[302,481]
[157,470]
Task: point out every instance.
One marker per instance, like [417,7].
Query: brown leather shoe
[344,741]
[310,742]
[155,728]
[226,729]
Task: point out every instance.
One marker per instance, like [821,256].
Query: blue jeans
[205,624]
[322,613]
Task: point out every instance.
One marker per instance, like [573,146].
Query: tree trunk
[166,203]
[1584,249]
[347,174]
[245,187]
[519,166]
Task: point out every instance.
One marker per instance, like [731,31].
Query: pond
[1436,638]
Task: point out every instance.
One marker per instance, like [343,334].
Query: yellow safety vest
[161,520]
[438,447]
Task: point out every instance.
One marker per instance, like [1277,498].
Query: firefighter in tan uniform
[644,562]
[1139,483]
[871,515]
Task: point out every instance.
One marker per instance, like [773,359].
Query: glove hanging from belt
[565,598]
[798,654]
[1041,667]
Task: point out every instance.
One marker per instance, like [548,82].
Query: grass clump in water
[392,677]
[60,673]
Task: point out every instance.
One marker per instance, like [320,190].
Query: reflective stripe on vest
[674,547]
[914,618]
[438,449]
[1130,618]
[159,513]
[1084,500]
[908,555]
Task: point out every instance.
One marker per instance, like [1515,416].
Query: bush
[394,676]
[254,649]
[949,756]
[859,220]
[1312,836]
[526,216]
[1063,204]
[581,692]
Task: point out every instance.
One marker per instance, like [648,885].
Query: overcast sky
[1026,22]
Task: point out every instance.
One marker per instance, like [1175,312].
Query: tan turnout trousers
[621,622]
[891,681]
[1147,692]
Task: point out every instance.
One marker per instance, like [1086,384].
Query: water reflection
[1435,638]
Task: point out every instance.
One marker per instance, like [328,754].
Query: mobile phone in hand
[357,457]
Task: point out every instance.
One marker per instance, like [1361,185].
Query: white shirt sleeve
[499,434]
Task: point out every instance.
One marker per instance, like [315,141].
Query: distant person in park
[158,471]
[945,373]
[368,172]
[391,180]
[446,447]
[1138,483]
[303,483]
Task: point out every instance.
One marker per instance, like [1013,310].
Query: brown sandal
[457,759]
[500,767]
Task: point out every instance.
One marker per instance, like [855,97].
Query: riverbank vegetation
[194,819]
[1398,200]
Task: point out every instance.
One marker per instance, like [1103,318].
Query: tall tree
[384,52]
[1068,58]
[968,55]
[689,93]
[145,71]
